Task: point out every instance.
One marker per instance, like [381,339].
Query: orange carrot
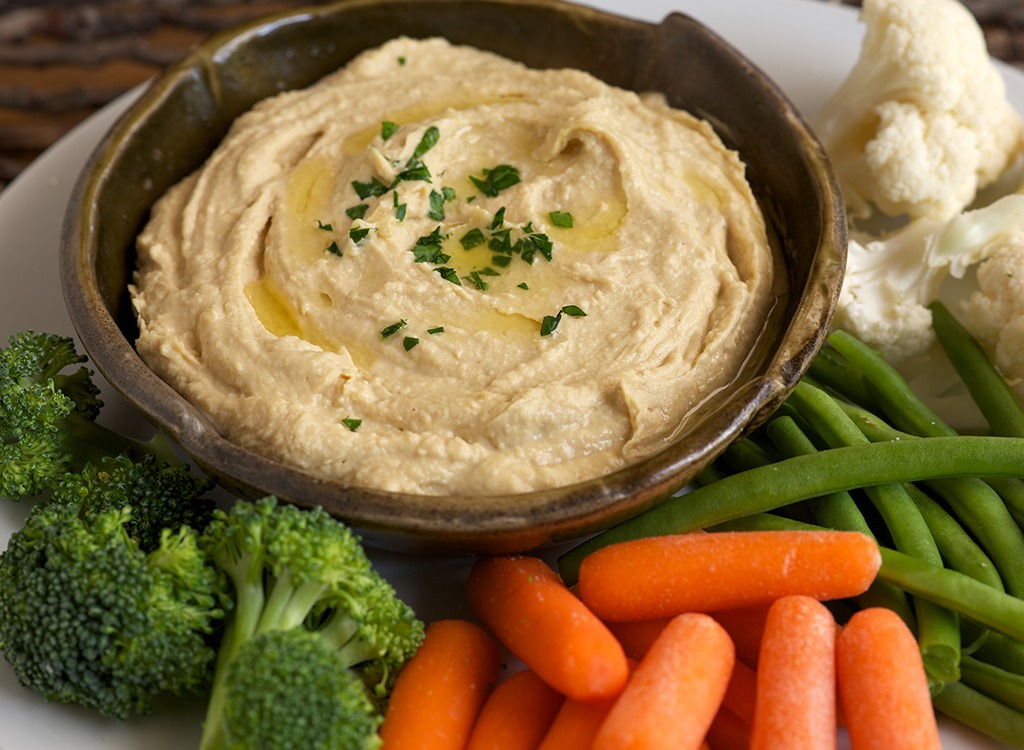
[698,572]
[516,715]
[796,678]
[882,683]
[745,625]
[675,692]
[528,608]
[576,724]
[439,691]
[741,693]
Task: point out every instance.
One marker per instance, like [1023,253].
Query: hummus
[438,271]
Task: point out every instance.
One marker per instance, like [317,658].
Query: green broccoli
[296,569]
[47,416]
[289,689]
[104,606]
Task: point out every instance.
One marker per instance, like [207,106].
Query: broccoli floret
[47,415]
[103,607]
[289,689]
[303,569]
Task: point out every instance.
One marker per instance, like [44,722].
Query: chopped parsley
[358,234]
[435,330]
[499,218]
[325,227]
[392,329]
[472,238]
[561,219]
[437,200]
[428,248]
[352,424]
[550,322]
[355,212]
[497,179]
[501,260]
[429,139]
[409,342]
[402,60]
[449,274]
[372,189]
[333,248]
[388,129]
[400,208]
[479,283]
[523,285]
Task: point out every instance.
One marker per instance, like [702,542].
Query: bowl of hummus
[469,291]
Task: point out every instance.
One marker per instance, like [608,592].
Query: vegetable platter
[807,47]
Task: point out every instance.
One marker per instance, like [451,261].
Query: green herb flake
[352,424]
[372,189]
[550,322]
[388,129]
[400,208]
[574,311]
[402,60]
[409,342]
[499,219]
[355,212]
[435,330]
[428,248]
[333,249]
[392,329]
[472,238]
[436,211]
[430,138]
[497,179]
[561,219]
[523,285]
[449,274]
[479,283]
[325,227]
[501,260]
[358,234]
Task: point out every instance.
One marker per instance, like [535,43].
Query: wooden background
[62,60]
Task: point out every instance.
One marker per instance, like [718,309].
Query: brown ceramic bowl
[182,115]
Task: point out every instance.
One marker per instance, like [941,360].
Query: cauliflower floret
[995,311]
[922,120]
[890,281]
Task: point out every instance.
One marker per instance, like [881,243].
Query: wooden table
[62,60]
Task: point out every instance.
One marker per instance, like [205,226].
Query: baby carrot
[439,691]
[882,684]
[703,572]
[516,715]
[637,636]
[576,724]
[796,678]
[528,608]
[675,692]
[745,625]
[728,731]
[741,693]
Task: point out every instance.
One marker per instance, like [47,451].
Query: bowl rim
[402,521]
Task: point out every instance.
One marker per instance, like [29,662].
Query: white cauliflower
[995,311]
[890,281]
[921,122]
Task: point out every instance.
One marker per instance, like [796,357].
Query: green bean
[989,389]
[969,707]
[803,477]
[1011,490]
[832,369]
[995,682]
[999,649]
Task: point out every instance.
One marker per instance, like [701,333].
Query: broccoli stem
[802,477]
[90,442]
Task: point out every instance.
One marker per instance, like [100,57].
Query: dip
[437,271]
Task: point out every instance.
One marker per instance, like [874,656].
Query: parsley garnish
[427,142]
[409,342]
[388,129]
[358,234]
[352,424]
[392,329]
[449,274]
[437,200]
[428,248]
[400,208]
[472,238]
[355,212]
[402,60]
[550,322]
[333,249]
[523,285]
[435,330]
[475,280]
[501,260]
[497,179]
[372,189]
[499,218]
[325,227]
[561,219]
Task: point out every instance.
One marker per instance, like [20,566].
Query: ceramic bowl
[181,116]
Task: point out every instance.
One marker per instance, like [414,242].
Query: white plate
[806,46]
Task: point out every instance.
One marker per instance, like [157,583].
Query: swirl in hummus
[437,271]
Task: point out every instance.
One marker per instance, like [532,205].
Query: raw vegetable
[516,715]
[675,692]
[440,691]
[668,575]
[576,724]
[882,683]
[922,121]
[796,677]
[528,608]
